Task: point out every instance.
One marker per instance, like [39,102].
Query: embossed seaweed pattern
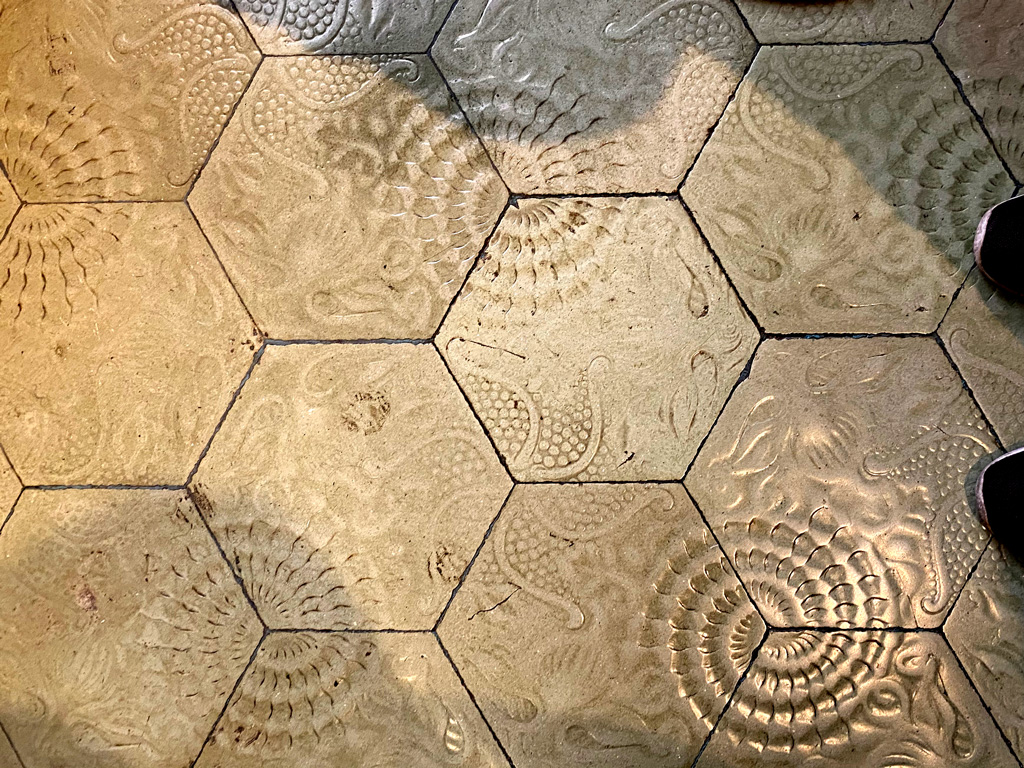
[888,159]
[589,119]
[174,72]
[337,699]
[848,472]
[343,26]
[561,407]
[868,699]
[325,135]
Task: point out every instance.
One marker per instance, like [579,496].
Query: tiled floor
[506,382]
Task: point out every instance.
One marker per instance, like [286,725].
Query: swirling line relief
[889,699]
[843,21]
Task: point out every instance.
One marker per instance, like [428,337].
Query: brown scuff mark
[366,413]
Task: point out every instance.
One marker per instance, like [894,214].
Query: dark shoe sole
[1000,494]
[999,246]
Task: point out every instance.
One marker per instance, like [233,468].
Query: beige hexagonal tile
[597,339]
[122,631]
[350,485]
[830,162]
[364,198]
[855,699]
[10,487]
[353,700]
[343,26]
[835,480]
[624,106]
[843,21]
[9,202]
[983,43]
[113,100]
[121,343]
[984,333]
[601,626]
[985,629]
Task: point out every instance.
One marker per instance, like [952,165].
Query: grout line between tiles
[223,269]
[732,696]
[437,32]
[294,342]
[234,397]
[101,487]
[842,630]
[988,545]
[970,392]
[977,116]
[227,702]
[942,20]
[970,682]
[7,458]
[231,114]
[21,204]
[472,698]
[347,631]
[953,299]
[14,749]
[831,335]
[216,542]
[476,554]
[746,23]
[10,513]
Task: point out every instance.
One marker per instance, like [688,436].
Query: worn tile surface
[601,625]
[843,21]
[350,486]
[830,160]
[366,198]
[8,759]
[121,343]
[343,26]
[983,42]
[597,339]
[624,106]
[835,481]
[122,631]
[359,700]
[116,100]
[985,629]
[856,699]
[9,202]
[10,487]
[984,332]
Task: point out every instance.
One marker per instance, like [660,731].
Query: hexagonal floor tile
[121,343]
[597,339]
[10,487]
[830,162]
[122,631]
[115,101]
[843,21]
[982,42]
[9,202]
[354,700]
[844,699]
[625,105]
[984,332]
[366,198]
[835,479]
[350,485]
[601,626]
[985,629]
[345,26]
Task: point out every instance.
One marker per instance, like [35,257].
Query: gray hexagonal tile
[843,21]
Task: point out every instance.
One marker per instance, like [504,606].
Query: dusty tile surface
[597,339]
[983,42]
[835,481]
[843,21]
[9,202]
[624,107]
[366,198]
[855,699]
[601,625]
[985,629]
[984,332]
[360,700]
[122,631]
[10,487]
[830,160]
[113,100]
[7,757]
[343,26]
[121,343]
[350,486]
